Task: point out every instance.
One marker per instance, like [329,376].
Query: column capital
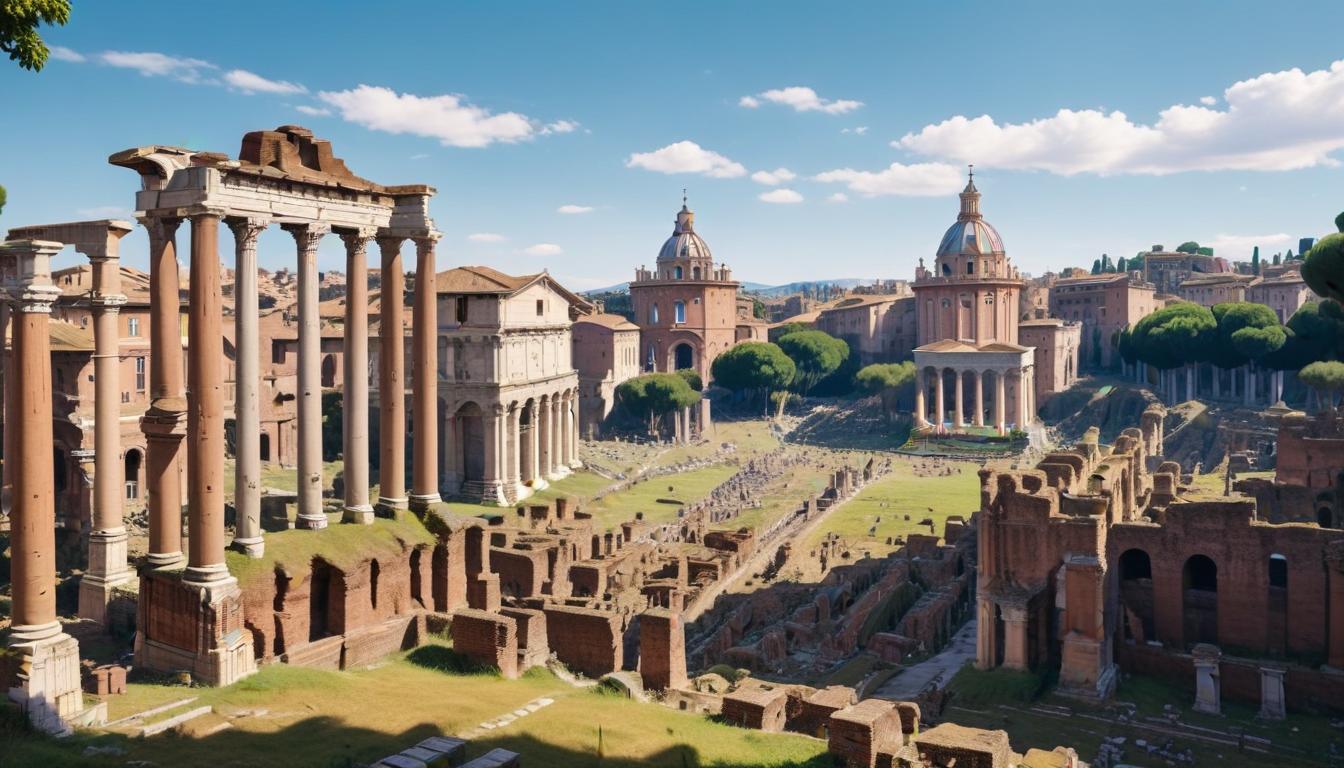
[358,238]
[246,229]
[308,234]
[110,302]
[426,242]
[207,211]
[390,245]
[160,227]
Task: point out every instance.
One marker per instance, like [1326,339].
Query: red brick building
[686,307]
[1103,304]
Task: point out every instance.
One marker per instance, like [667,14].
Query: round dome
[970,237]
[684,245]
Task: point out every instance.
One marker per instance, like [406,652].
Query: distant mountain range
[768,291]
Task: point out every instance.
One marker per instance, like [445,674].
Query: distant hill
[761,289]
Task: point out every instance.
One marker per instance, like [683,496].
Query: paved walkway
[937,670]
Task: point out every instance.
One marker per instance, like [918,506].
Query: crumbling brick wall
[857,732]
[532,643]
[662,650]
[487,638]
[585,640]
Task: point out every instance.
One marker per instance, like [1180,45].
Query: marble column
[492,429]
[553,439]
[986,648]
[514,449]
[958,419]
[392,380]
[355,404]
[108,539]
[165,422]
[205,407]
[425,442]
[48,686]
[1000,406]
[247,536]
[310,514]
[1014,637]
[531,447]
[979,419]
[939,408]
[921,410]
[544,438]
[574,461]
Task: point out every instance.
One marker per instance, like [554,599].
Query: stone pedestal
[48,689]
[1272,701]
[195,627]
[1208,693]
[1014,637]
[107,571]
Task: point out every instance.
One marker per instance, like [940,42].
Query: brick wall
[487,638]
[662,650]
[585,640]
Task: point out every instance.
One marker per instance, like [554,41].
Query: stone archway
[133,462]
[469,419]
[683,356]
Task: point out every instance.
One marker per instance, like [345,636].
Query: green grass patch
[988,687]
[339,544]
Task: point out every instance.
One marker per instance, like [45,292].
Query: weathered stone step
[148,713]
[174,721]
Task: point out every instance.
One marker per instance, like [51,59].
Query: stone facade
[1166,270]
[1285,294]
[1103,305]
[1208,290]
[606,353]
[1056,344]
[880,328]
[686,306]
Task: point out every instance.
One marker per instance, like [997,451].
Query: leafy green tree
[1122,265]
[1204,251]
[1289,255]
[19,20]
[1189,246]
[1177,335]
[1255,260]
[1096,267]
[757,308]
[779,332]
[2,199]
[1326,378]
[815,355]
[1323,268]
[887,380]
[692,378]
[755,367]
[655,395]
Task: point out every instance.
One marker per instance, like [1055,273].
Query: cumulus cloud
[838,197]
[687,157]
[1277,121]
[773,178]
[250,82]
[780,197]
[61,53]
[313,111]
[801,99]
[154,64]
[917,180]
[1240,246]
[1207,101]
[486,237]
[573,209]
[448,118]
[543,249]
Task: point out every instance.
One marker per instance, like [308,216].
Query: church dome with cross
[971,247]
[685,253]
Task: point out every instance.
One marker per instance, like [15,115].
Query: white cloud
[153,64]
[801,99]
[313,111]
[917,180]
[543,249]
[1277,121]
[420,156]
[838,197]
[859,131]
[559,126]
[780,196]
[1207,101]
[773,178]
[687,157]
[1240,246]
[574,209]
[486,237]
[448,118]
[61,53]
[250,82]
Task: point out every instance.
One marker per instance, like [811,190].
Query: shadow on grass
[443,659]
[320,742]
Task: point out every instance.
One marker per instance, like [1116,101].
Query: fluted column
[164,423]
[355,406]
[544,438]
[979,419]
[939,409]
[531,447]
[391,380]
[574,461]
[107,542]
[553,438]
[247,536]
[958,420]
[492,431]
[205,406]
[1000,394]
[425,443]
[513,449]
[921,408]
[567,430]
[33,518]
[310,515]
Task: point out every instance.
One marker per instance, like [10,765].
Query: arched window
[680,311]
[653,314]
[677,273]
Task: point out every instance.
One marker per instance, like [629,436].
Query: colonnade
[524,444]
[1016,406]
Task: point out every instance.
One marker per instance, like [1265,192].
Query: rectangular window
[461,309]
[140,374]
[541,307]
[133,326]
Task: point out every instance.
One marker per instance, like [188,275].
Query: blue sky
[516,110]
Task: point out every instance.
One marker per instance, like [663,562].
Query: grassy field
[1211,484]
[1000,700]
[282,478]
[896,495]
[322,718]
[781,499]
